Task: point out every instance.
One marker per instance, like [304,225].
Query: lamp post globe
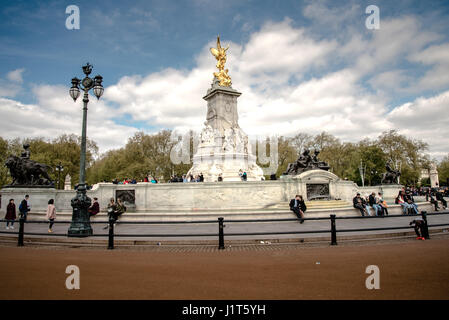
[80,225]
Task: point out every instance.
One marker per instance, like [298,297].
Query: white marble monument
[223,147]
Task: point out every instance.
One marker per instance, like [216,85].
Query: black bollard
[220,233]
[333,231]
[111,234]
[426,228]
[21,230]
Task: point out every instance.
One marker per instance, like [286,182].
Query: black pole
[333,231]
[21,229]
[220,233]
[426,228]
[111,234]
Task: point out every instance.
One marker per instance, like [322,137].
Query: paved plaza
[408,269]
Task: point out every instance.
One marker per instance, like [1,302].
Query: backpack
[21,207]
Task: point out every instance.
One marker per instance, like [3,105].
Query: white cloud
[12,85]
[287,82]
[438,57]
[426,119]
[16,75]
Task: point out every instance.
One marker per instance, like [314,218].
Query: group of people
[407,202]
[134,180]
[243,175]
[11,216]
[25,207]
[187,178]
[371,202]
[434,195]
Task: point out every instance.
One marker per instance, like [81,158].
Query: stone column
[68,182]
[433,173]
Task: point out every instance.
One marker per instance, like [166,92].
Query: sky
[301,66]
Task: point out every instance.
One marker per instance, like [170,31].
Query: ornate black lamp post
[80,226]
[59,168]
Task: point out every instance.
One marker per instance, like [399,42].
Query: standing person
[201,177]
[94,208]
[112,207]
[25,207]
[359,203]
[244,176]
[220,177]
[298,206]
[10,214]
[51,214]
[241,174]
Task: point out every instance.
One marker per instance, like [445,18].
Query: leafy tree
[443,170]
[404,154]
[64,149]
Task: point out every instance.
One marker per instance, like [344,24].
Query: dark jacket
[94,209]
[439,196]
[372,200]
[302,205]
[355,201]
[24,205]
[11,212]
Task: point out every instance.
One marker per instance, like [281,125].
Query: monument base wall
[193,197]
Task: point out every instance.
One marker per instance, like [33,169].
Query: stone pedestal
[433,173]
[68,182]
[224,147]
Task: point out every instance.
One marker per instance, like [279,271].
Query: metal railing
[221,234]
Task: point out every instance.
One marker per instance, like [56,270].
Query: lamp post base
[80,226]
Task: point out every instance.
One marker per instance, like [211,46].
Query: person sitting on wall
[440,197]
[359,203]
[372,202]
[382,203]
[367,206]
[434,202]
[298,206]
[94,208]
[411,202]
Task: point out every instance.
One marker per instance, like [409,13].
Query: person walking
[25,207]
[51,214]
[10,214]
[298,206]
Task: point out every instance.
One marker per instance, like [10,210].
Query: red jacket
[11,212]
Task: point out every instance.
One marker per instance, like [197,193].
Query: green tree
[404,154]
[443,170]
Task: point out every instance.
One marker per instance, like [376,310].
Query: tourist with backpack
[25,207]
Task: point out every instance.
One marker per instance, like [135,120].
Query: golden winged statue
[220,54]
